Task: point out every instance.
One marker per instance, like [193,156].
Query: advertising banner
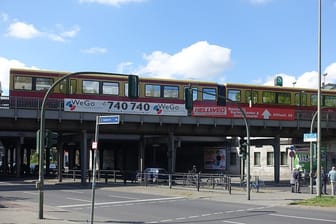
[124,107]
[215,158]
[251,112]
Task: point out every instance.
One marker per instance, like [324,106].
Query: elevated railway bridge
[140,141]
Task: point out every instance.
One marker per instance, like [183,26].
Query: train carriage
[29,86]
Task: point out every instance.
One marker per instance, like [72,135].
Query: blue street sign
[114,119]
[310,137]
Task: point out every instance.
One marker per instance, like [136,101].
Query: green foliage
[323,201]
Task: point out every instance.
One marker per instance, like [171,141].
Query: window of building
[256,160]
[234,95]
[209,94]
[152,90]
[90,86]
[283,158]
[270,158]
[22,82]
[43,83]
[111,88]
[233,158]
[170,91]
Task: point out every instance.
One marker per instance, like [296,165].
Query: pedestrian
[332,179]
[324,180]
[296,176]
[292,181]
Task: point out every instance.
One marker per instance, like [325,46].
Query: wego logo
[157,109]
[71,106]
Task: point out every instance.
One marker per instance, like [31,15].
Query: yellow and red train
[33,84]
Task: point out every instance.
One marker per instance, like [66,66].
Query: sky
[224,41]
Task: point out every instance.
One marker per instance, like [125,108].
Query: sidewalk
[15,211]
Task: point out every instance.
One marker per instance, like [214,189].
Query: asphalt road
[72,203]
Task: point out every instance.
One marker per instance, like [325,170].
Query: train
[113,87]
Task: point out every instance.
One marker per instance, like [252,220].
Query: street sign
[310,137]
[113,119]
[94,145]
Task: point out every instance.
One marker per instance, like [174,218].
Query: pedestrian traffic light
[51,139]
[243,149]
[188,97]
[221,96]
[133,86]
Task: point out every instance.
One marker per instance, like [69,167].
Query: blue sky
[225,41]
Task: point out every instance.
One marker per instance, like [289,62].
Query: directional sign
[310,137]
[113,119]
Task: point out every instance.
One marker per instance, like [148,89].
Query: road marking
[73,191]
[119,202]
[306,218]
[31,193]
[116,196]
[226,221]
[78,199]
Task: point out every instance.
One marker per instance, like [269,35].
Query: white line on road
[74,191]
[117,196]
[78,199]
[226,221]
[120,202]
[306,218]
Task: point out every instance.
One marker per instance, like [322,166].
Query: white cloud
[115,3]
[200,61]
[307,79]
[4,17]
[5,65]
[95,50]
[23,30]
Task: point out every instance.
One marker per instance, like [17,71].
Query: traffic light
[243,149]
[133,86]
[188,97]
[51,139]
[221,96]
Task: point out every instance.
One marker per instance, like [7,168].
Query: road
[72,203]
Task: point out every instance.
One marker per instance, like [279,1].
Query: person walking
[324,180]
[297,179]
[332,179]
[292,180]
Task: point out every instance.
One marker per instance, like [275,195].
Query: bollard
[198,182]
[170,180]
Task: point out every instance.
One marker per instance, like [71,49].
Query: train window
[301,99]
[329,101]
[126,89]
[63,86]
[194,93]
[43,83]
[209,93]
[268,97]
[251,98]
[283,98]
[90,86]
[111,88]
[313,100]
[23,82]
[170,91]
[234,95]
[152,90]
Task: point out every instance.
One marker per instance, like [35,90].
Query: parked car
[156,175]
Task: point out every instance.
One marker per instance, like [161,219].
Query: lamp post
[318,168]
[40,183]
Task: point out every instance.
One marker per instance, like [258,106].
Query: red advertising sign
[251,113]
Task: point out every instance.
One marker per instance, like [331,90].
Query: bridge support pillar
[276,147]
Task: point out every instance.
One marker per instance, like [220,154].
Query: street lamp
[318,168]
